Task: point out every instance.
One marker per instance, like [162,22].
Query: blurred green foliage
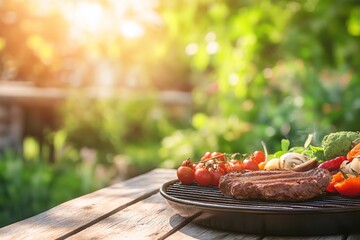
[269,71]
[116,126]
[29,185]
[257,70]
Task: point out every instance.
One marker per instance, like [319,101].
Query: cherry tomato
[209,163]
[225,166]
[258,156]
[203,177]
[185,174]
[222,165]
[219,156]
[250,165]
[239,166]
[187,163]
[216,174]
[199,165]
[194,165]
[206,156]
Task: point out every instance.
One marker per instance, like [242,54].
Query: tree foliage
[270,70]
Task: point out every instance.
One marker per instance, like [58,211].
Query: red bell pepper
[333,164]
[349,187]
[338,177]
[355,151]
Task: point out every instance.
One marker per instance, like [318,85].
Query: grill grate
[207,206]
[213,197]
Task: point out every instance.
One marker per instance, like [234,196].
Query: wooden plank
[148,219]
[152,218]
[194,231]
[74,215]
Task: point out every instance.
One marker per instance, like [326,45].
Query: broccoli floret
[339,143]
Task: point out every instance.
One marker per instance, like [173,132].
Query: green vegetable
[307,150]
[339,143]
[285,143]
[318,152]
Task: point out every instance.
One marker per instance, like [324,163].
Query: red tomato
[194,165]
[225,166]
[186,175]
[199,165]
[187,163]
[258,156]
[206,156]
[203,177]
[219,156]
[239,166]
[209,163]
[216,175]
[250,165]
[222,165]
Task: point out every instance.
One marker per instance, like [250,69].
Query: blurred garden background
[95,92]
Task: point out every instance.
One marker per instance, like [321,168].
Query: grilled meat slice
[275,185]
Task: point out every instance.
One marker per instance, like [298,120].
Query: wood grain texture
[88,209]
[194,231]
[150,218]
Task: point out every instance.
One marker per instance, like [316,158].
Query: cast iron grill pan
[323,215]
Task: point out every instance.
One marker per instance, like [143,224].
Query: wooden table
[133,209]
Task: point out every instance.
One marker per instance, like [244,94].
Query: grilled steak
[275,185]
